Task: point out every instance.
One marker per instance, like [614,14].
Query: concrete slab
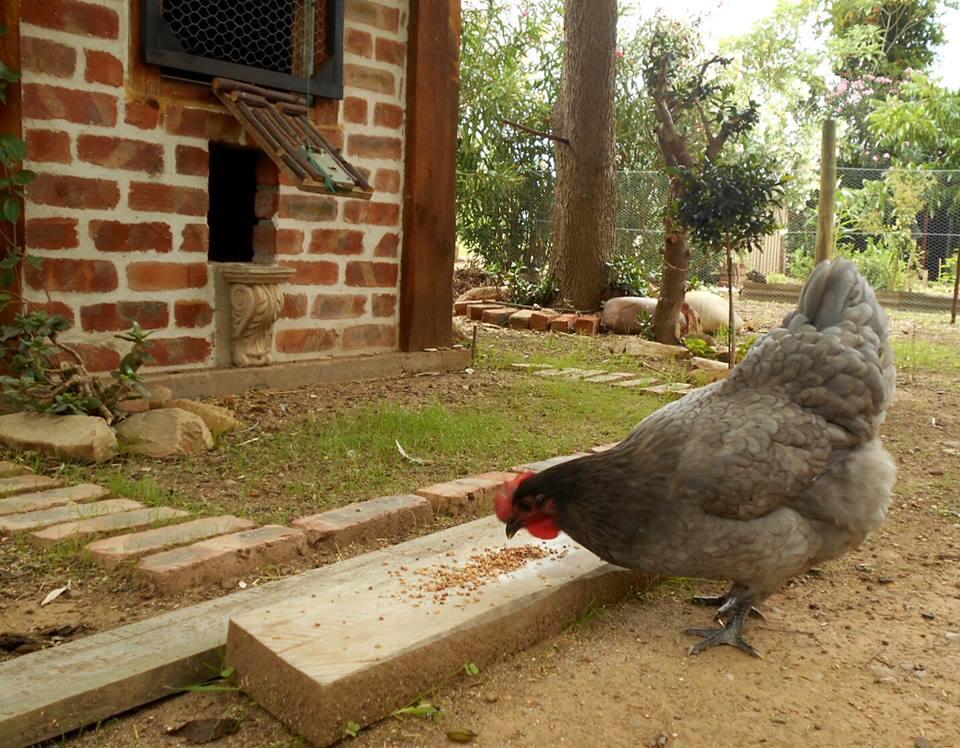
[361,645]
[8,469]
[634,383]
[112,551]
[223,559]
[85,528]
[18,484]
[530,367]
[569,372]
[66,513]
[616,376]
[536,467]
[382,517]
[34,502]
[674,391]
[583,374]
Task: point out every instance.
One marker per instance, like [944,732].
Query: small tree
[728,206]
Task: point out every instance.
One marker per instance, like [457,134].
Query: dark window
[233,192]
[291,45]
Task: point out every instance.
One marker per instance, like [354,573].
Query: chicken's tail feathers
[834,293]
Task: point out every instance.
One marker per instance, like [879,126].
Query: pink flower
[619,54]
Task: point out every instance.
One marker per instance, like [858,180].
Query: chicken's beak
[513,525]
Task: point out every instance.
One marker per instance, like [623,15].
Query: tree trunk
[583,227]
[673,277]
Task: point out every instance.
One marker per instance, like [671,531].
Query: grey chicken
[754,479]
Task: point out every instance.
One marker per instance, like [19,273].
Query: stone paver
[224,559]
[606,378]
[603,447]
[531,367]
[83,528]
[583,373]
[34,502]
[112,551]
[473,495]
[568,372]
[383,517]
[17,484]
[67,513]
[675,390]
[536,467]
[8,469]
[633,383]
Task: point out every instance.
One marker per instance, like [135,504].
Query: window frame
[161,47]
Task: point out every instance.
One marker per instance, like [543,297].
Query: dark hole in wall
[233,192]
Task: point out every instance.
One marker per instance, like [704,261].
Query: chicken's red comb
[504,500]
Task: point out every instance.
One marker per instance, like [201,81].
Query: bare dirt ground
[863,652]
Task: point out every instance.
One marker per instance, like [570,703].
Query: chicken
[753,479]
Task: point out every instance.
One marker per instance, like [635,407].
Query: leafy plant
[633,274]
[471,668]
[700,347]
[352,729]
[423,709]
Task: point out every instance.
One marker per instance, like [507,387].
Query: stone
[112,551]
[86,438]
[83,528]
[218,419]
[8,469]
[638,382]
[359,645]
[383,517]
[256,299]
[34,502]
[473,495]
[582,373]
[530,367]
[649,349]
[66,513]
[19,484]
[536,467]
[520,319]
[603,447]
[616,376]
[164,432]
[703,377]
[157,395]
[697,362]
[222,559]
[673,391]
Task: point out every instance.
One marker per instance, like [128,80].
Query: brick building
[147,180]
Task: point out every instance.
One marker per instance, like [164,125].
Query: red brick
[336,242]
[58,274]
[201,123]
[49,145]
[143,113]
[334,136]
[358,43]
[389,51]
[121,153]
[375,146]
[47,58]
[372,274]
[387,246]
[154,197]
[384,305]
[373,14]
[151,315]
[475,311]
[369,336]
[497,316]
[371,520]
[369,79]
[371,213]
[588,324]
[192,91]
[325,112]
[163,276]
[177,351]
[520,320]
[267,171]
[307,208]
[88,19]
[52,233]
[294,305]
[56,307]
[103,67]
[289,241]
[73,192]
[388,115]
[195,238]
[310,340]
[472,495]
[114,236]
[563,323]
[338,306]
[264,238]
[97,358]
[265,201]
[192,313]
[540,320]
[387,180]
[83,107]
[193,161]
[312,273]
[355,110]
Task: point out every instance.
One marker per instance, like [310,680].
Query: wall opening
[233,192]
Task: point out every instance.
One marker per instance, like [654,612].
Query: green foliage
[633,274]
[527,286]
[800,264]
[700,347]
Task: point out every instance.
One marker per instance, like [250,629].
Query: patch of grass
[921,355]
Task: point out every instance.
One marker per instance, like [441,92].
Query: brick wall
[118,209]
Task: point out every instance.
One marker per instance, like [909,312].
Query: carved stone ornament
[256,299]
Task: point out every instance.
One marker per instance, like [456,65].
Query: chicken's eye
[540,499]
[524,504]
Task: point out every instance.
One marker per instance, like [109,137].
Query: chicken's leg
[729,634]
[724,603]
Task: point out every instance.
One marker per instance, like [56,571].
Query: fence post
[828,191]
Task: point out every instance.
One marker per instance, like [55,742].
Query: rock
[71,437]
[164,432]
[218,419]
[650,349]
[706,363]
[702,377]
[157,394]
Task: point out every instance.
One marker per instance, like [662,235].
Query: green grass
[921,355]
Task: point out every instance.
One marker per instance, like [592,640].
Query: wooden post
[11,123]
[956,290]
[731,329]
[430,184]
[828,191]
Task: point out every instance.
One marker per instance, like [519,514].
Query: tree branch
[539,133]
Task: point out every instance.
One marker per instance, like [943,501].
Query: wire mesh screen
[270,35]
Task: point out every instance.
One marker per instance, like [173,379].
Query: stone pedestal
[255,297]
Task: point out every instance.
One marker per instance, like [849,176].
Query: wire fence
[901,226]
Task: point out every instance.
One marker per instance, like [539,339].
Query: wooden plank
[359,646]
[11,121]
[430,184]
[96,677]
